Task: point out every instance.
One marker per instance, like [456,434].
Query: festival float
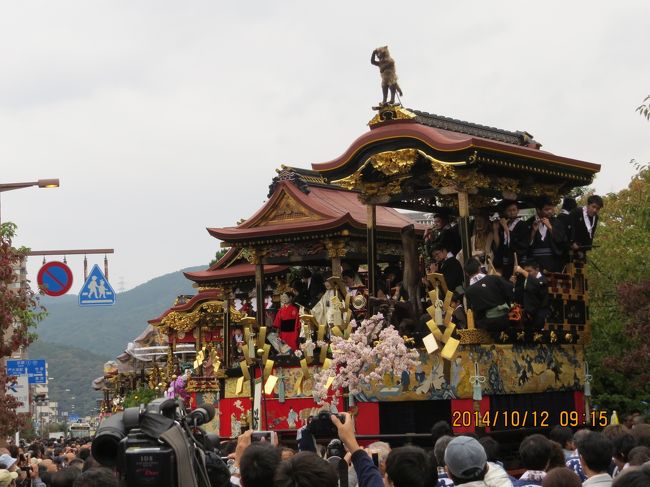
[364,347]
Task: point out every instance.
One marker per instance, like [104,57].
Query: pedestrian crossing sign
[96,291]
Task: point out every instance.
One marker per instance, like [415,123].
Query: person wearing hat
[8,462]
[466,462]
[7,478]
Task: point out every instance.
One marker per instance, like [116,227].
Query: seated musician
[488,297]
[448,266]
[350,279]
[535,294]
[584,222]
[547,237]
[287,321]
[511,237]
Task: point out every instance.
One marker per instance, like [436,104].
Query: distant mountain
[106,330]
[71,371]
[76,341]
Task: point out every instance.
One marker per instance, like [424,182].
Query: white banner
[19,388]
[257,405]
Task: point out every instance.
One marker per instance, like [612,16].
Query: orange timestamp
[507,419]
[575,418]
[527,419]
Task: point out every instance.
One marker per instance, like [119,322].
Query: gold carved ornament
[335,248]
[353,181]
[383,188]
[183,321]
[550,190]
[286,208]
[391,113]
[236,316]
[506,185]
[397,166]
[394,163]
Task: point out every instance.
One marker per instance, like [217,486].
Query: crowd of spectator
[618,456]
[53,463]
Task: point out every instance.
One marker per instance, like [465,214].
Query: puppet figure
[287,321]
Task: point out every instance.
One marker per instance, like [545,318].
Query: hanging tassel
[476,380]
[588,379]
[438,313]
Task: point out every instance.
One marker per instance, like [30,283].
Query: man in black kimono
[511,238]
[535,294]
[489,298]
[548,237]
[584,222]
[448,266]
[444,234]
[568,205]
[313,288]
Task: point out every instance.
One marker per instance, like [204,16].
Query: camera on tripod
[158,445]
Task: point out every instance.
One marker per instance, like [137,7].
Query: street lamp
[41,183]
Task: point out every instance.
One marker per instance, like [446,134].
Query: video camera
[321,426]
[160,445]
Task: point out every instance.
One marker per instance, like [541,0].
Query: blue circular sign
[54,278]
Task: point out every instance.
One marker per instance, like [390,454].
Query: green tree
[20,312]
[218,255]
[619,260]
[644,108]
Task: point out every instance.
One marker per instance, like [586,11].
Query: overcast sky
[163,118]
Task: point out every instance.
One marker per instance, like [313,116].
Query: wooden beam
[259,292]
[463,226]
[371,225]
[71,252]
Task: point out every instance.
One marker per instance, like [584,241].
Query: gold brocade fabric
[508,369]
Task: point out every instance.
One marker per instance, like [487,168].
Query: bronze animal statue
[381,57]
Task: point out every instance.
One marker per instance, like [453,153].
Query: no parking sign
[54,278]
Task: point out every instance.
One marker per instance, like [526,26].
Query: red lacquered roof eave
[233,234]
[199,297]
[239,270]
[445,141]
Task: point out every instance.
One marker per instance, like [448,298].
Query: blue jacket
[367,473]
